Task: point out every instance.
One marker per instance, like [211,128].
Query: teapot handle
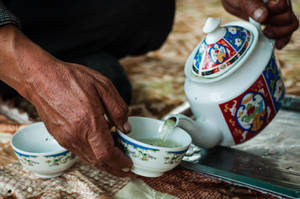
[255,23]
[258,26]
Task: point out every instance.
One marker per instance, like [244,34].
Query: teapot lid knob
[211,25]
[213,30]
[223,48]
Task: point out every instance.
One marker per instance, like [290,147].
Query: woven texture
[157,79]
[81,181]
[186,184]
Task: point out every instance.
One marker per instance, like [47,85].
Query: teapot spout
[204,134]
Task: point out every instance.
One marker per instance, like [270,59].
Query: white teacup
[149,160]
[40,153]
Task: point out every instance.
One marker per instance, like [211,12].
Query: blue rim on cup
[149,160]
[39,152]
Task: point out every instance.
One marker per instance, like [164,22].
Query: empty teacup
[40,153]
[151,155]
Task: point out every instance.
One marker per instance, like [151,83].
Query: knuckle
[282,4]
[277,5]
[80,128]
[121,112]
[107,83]
[105,155]
[79,121]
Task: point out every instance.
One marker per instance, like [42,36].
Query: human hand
[71,99]
[277,15]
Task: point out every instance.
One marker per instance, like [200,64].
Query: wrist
[22,61]
[8,35]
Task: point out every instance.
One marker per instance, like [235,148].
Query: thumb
[256,9]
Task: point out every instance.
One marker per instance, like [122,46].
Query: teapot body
[243,103]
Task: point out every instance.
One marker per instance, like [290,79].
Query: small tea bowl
[40,153]
[149,160]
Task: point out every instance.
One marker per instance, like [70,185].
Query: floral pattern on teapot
[218,57]
[247,114]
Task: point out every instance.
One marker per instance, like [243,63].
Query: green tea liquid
[160,142]
[164,130]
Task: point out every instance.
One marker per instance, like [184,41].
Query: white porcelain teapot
[233,84]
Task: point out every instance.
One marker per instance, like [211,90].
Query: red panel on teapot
[247,114]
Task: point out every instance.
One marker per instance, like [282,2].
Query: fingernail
[126,169]
[258,13]
[127,126]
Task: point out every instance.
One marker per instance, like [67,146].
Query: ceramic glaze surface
[237,105]
[50,160]
[247,114]
[214,59]
[40,153]
[149,160]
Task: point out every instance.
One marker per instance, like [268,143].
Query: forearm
[22,61]
[9,31]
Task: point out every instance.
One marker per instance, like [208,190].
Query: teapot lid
[223,47]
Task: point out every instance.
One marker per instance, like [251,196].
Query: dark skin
[277,15]
[72,99]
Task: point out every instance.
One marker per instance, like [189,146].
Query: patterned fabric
[157,82]
[187,184]
[81,181]
[6,17]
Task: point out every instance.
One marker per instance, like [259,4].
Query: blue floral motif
[274,81]
[251,112]
[236,37]
[137,151]
[199,55]
[215,59]
[59,159]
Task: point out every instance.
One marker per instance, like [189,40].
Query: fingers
[118,160]
[76,145]
[281,19]
[281,23]
[104,149]
[280,43]
[115,106]
[114,172]
[280,13]
[277,32]
[277,6]
[83,151]
[256,9]
[233,7]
